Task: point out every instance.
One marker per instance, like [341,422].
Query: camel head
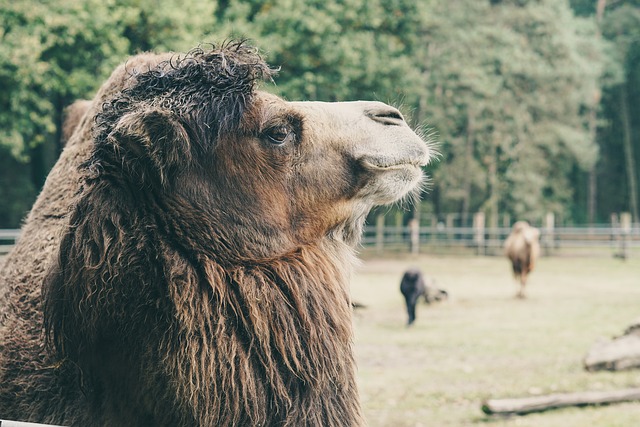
[259,175]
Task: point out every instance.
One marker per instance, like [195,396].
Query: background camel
[522,247]
[189,255]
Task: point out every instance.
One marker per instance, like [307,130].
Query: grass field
[484,343]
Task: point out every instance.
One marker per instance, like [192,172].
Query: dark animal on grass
[522,247]
[187,261]
[413,286]
[434,294]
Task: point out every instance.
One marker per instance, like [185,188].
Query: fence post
[506,221]
[478,232]
[549,237]
[380,234]
[625,231]
[449,222]
[400,232]
[414,230]
[433,228]
[615,234]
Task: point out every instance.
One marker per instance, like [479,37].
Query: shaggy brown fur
[194,253]
[522,247]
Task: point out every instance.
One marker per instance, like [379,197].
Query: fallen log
[618,354]
[526,405]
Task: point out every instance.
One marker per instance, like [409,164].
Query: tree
[507,85]
[509,89]
[333,50]
[621,24]
[50,54]
[54,52]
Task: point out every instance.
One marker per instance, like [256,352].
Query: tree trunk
[593,183]
[618,354]
[600,6]
[593,192]
[527,405]
[418,121]
[37,165]
[628,153]
[468,157]
[593,128]
[493,195]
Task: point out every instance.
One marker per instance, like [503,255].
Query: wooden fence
[8,238]
[620,238]
[469,240]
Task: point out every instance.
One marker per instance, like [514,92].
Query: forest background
[535,103]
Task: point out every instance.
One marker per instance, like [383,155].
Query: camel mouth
[387,164]
[381,167]
[414,156]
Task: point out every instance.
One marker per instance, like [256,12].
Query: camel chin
[394,170]
[391,184]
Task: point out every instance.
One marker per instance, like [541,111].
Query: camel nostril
[387,116]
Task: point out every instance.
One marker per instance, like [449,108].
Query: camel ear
[154,142]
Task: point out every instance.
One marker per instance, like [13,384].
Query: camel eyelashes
[280,134]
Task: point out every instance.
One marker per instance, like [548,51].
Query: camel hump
[73,115]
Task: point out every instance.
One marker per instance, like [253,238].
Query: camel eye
[280,134]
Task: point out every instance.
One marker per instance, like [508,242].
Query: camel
[522,247]
[188,260]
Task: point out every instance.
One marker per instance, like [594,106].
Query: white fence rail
[617,241]
[594,240]
[8,238]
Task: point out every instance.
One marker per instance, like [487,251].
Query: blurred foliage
[53,52]
[618,163]
[509,87]
[334,50]
[512,88]
[15,188]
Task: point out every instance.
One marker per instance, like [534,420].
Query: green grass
[484,343]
